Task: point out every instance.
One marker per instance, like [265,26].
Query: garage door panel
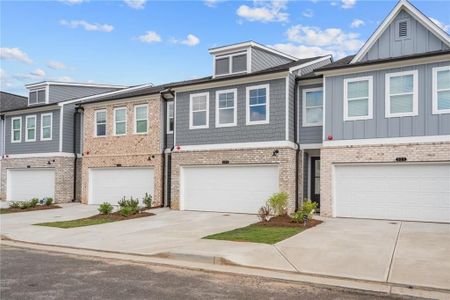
[25,184]
[418,192]
[242,189]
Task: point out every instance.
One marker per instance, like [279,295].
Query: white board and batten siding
[112,184]
[227,188]
[25,184]
[409,191]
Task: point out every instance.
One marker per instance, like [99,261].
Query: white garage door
[111,184]
[416,192]
[239,189]
[25,184]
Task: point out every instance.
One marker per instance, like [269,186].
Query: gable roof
[10,101]
[253,44]
[413,11]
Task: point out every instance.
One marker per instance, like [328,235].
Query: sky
[130,42]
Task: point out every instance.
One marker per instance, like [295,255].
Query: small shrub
[128,211]
[306,213]
[34,202]
[25,204]
[48,201]
[105,208]
[134,203]
[278,203]
[15,204]
[264,213]
[147,200]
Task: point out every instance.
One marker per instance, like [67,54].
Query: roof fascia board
[310,63]
[31,110]
[227,49]
[33,85]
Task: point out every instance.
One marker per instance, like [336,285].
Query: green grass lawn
[257,234]
[5,211]
[76,223]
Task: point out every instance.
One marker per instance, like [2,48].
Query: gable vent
[403,29]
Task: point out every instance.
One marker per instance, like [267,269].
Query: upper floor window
[46,127]
[16,130]
[199,111]
[30,125]
[231,63]
[36,97]
[120,121]
[312,107]
[258,104]
[170,118]
[226,108]
[441,90]
[358,98]
[100,122]
[401,94]
[141,118]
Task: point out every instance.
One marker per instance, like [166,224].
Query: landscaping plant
[147,200]
[264,213]
[278,203]
[105,208]
[48,201]
[128,210]
[128,206]
[14,204]
[306,213]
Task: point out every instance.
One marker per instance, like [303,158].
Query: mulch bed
[116,216]
[286,221]
[37,207]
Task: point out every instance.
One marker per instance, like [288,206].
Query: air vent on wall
[403,29]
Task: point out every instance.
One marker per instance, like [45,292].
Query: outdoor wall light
[118,165]
[49,163]
[275,152]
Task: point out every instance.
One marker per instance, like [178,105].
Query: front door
[315,180]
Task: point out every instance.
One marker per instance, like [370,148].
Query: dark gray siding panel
[33,147]
[169,141]
[420,40]
[263,60]
[380,127]
[1,138]
[312,67]
[305,175]
[307,135]
[60,93]
[242,133]
[68,126]
[291,107]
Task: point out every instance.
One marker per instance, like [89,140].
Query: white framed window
[37,97]
[226,102]
[30,128]
[401,94]
[170,118]
[199,111]
[100,123]
[312,103]
[141,119]
[16,130]
[233,63]
[120,121]
[441,90]
[46,127]
[358,98]
[258,104]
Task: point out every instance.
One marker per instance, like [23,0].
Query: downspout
[297,151]
[78,108]
[166,181]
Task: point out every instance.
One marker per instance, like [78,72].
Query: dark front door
[315,180]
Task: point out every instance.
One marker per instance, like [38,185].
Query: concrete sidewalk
[404,253]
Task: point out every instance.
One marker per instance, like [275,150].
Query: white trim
[34,128]
[234,91]
[250,44]
[310,146]
[136,119]
[47,93]
[435,91]
[45,89]
[191,125]
[329,56]
[51,129]
[33,85]
[249,60]
[238,146]
[175,119]
[247,104]
[48,154]
[397,37]
[95,122]
[114,120]
[12,130]
[395,140]
[402,4]
[287,107]
[61,127]
[304,123]
[324,107]
[369,116]
[415,94]
[172,103]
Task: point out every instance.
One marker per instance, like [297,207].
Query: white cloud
[264,11]
[73,2]
[56,65]
[65,79]
[2,74]
[33,75]
[87,26]
[135,4]
[150,37]
[15,54]
[356,23]
[444,27]
[190,40]
[211,3]
[38,73]
[300,51]
[348,3]
[308,13]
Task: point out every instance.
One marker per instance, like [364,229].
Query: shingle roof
[10,101]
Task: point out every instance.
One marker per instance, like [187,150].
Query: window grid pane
[443,80]
[258,105]
[401,84]
[444,100]
[402,104]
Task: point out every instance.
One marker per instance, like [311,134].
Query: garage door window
[358,94]
[16,130]
[401,94]
[30,124]
[100,123]
[226,108]
[441,90]
[120,121]
[140,118]
[199,111]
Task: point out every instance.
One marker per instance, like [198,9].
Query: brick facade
[329,156]
[64,173]
[130,150]
[285,159]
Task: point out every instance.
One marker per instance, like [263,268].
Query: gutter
[166,181]
[297,150]
[78,108]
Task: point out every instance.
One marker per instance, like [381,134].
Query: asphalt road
[29,274]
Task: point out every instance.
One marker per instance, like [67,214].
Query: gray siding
[312,67]
[380,127]
[68,123]
[305,176]
[242,133]
[169,137]
[1,138]
[262,60]
[33,147]
[60,93]
[291,107]
[420,40]
[307,135]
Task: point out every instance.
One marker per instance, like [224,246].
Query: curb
[224,266]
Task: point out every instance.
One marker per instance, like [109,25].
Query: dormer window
[402,29]
[231,64]
[36,97]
